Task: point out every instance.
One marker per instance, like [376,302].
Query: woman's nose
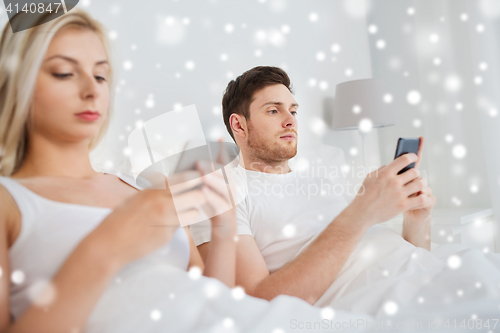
[89,87]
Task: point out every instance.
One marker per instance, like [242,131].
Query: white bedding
[200,305]
[384,272]
[390,279]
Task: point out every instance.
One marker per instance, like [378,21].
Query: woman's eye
[273,111]
[62,75]
[100,78]
[294,113]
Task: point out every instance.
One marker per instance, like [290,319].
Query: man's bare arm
[311,273]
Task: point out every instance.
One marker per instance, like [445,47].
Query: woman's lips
[88,115]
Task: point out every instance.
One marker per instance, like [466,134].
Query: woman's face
[71,96]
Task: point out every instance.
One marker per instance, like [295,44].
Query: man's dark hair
[239,92]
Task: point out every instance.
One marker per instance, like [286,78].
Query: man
[296,244]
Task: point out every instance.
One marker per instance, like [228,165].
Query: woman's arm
[7,209]
[136,228]
[78,284]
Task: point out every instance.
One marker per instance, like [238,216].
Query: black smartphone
[405,146]
[188,158]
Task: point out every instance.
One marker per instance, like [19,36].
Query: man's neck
[255,164]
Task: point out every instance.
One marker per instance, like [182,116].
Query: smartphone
[188,158]
[405,146]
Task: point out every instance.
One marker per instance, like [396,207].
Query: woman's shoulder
[10,216]
[7,202]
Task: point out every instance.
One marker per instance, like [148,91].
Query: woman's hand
[193,191]
[140,225]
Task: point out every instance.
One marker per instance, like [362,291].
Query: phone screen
[405,146]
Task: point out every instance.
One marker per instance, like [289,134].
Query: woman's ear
[238,126]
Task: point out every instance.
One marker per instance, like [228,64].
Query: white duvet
[452,288]
[160,298]
[386,284]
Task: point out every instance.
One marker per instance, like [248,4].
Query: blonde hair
[21,56]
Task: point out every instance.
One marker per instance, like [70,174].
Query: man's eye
[62,75]
[273,111]
[294,113]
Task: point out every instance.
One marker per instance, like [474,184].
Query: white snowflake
[390,308]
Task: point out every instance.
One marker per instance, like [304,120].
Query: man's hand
[416,222]
[386,194]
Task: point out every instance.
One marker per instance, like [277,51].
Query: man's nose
[290,121]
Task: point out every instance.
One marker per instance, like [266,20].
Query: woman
[55,98]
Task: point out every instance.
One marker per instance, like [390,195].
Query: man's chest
[275,217]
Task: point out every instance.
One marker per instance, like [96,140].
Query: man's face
[272,127]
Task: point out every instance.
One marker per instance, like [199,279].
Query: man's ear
[238,125]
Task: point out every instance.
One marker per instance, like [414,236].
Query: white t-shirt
[283,212]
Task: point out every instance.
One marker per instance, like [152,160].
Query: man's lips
[88,115]
[288,136]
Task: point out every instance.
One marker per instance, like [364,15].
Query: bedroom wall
[176,53]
